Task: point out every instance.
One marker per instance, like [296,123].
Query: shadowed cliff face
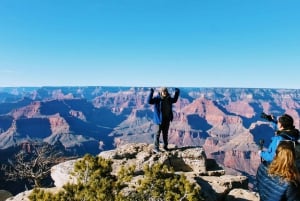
[226,122]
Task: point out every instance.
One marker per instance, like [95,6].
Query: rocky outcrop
[190,161]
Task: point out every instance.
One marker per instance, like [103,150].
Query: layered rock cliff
[225,121]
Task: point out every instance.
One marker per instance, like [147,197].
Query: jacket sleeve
[176,95]
[269,154]
[150,99]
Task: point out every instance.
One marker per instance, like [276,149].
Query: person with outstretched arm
[163,114]
[286,131]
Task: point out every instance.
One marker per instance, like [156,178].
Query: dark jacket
[289,134]
[157,101]
[273,188]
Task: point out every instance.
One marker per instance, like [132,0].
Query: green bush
[96,183]
[161,183]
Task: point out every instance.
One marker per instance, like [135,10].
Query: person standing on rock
[163,114]
[280,181]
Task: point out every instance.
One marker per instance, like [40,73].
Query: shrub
[96,183]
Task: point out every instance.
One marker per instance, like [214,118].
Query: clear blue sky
[182,43]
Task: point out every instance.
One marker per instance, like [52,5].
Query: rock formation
[215,184]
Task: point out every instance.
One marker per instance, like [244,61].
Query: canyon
[226,122]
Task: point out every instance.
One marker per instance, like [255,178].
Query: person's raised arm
[150,99]
[176,95]
[269,154]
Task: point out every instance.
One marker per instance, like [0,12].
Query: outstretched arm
[269,154]
[176,95]
[150,99]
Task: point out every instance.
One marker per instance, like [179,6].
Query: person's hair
[284,163]
[286,121]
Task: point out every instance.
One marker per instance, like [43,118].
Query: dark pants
[162,128]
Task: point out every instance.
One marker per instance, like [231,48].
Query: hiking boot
[166,148]
[155,150]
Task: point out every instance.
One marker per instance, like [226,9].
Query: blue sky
[176,43]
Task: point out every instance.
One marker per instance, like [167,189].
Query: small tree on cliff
[33,162]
